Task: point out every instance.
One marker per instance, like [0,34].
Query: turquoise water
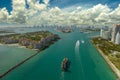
[11,55]
[86,62]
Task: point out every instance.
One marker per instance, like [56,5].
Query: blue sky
[6,3]
[67,3]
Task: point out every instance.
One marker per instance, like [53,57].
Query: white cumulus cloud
[40,14]
[96,15]
[46,2]
[3,15]
[18,14]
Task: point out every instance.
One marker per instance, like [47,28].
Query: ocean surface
[12,55]
[86,62]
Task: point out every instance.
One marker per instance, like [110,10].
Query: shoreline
[111,65]
[17,65]
[25,60]
[17,45]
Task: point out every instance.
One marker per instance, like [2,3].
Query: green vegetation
[65,30]
[32,40]
[111,50]
[14,38]
[37,36]
[8,39]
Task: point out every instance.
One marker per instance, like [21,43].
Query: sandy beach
[17,45]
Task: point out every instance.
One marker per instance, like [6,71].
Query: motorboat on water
[82,41]
[65,64]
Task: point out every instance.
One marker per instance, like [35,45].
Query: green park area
[111,50]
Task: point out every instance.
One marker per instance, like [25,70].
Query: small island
[64,30]
[32,40]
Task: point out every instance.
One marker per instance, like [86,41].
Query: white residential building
[117,40]
[115,30]
[101,32]
[105,34]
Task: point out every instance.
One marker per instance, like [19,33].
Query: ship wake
[62,76]
[78,58]
[77,51]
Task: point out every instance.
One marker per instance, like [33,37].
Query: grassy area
[37,36]
[109,48]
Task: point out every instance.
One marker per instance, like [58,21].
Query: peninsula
[32,40]
[64,30]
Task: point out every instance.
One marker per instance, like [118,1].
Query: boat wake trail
[77,55]
[62,76]
[78,58]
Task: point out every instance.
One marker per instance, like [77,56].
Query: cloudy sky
[60,12]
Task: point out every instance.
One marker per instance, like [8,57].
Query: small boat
[83,41]
[65,64]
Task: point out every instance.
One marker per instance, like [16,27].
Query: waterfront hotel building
[117,40]
[105,34]
[115,33]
